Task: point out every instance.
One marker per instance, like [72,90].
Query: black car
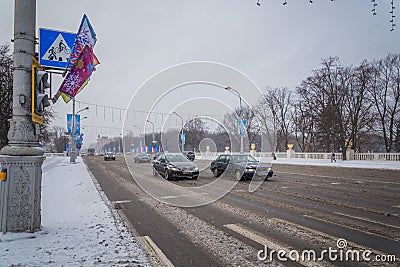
[175,165]
[141,157]
[241,166]
[190,155]
[109,156]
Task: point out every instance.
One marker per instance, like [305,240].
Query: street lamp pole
[21,160]
[153,141]
[240,116]
[73,134]
[140,137]
[182,142]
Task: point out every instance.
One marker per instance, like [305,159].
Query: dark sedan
[190,155]
[109,156]
[241,166]
[175,165]
[141,157]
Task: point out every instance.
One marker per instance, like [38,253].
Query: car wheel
[194,177]
[238,175]
[166,175]
[216,173]
[155,172]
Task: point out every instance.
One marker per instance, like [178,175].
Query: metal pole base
[20,193]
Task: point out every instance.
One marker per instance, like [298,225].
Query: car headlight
[173,168]
[269,169]
[250,170]
[196,169]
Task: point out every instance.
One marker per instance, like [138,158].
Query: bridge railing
[320,155]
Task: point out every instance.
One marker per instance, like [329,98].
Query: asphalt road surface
[315,216]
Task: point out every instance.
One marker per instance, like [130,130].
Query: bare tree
[338,96]
[6,92]
[195,130]
[385,92]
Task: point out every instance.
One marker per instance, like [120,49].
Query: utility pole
[22,158]
[182,137]
[240,117]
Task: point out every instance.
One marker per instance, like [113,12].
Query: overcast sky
[272,44]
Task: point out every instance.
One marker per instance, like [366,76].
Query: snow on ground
[79,227]
[364,164]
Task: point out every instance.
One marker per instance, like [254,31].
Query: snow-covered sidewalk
[79,225]
[364,164]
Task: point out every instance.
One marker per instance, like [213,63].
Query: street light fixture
[240,116]
[182,137]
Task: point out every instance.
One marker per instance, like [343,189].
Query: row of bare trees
[335,108]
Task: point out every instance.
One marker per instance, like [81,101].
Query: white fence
[321,155]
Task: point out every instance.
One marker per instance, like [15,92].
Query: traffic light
[40,99]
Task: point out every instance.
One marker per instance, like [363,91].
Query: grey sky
[274,45]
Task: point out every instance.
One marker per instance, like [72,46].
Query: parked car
[190,155]
[175,165]
[141,157]
[109,156]
[240,166]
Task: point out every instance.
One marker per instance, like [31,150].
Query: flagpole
[73,151]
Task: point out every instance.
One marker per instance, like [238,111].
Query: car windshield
[110,153]
[176,158]
[142,155]
[243,158]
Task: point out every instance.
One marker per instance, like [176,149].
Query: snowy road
[302,207]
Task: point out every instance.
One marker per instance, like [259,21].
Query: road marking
[121,201]
[168,197]
[335,238]
[258,237]
[346,178]
[156,251]
[336,183]
[351,228]
[367,220]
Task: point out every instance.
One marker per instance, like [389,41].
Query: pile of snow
[79,227]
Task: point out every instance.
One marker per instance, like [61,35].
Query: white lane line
[156,251]
[367,220]
[334,238]
[257,237]
[351,228]
[168,197]
[121,201]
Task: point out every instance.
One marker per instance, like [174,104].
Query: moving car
[175,165]
[109,156]
[141,157]
[190,155]
[241,166]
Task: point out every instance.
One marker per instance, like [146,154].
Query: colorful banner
[77,123]
[80,73]
[85,37]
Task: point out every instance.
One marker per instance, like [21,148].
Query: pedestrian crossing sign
[55,47]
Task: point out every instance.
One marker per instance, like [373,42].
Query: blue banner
[77,124]
[242,127]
